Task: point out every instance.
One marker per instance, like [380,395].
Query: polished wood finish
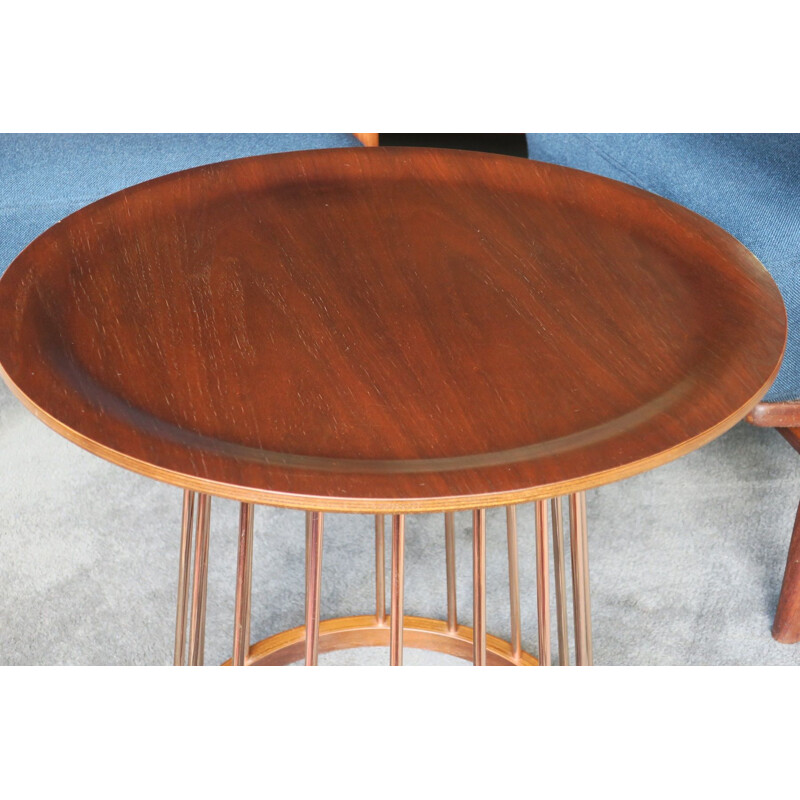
[388,329]
[775,415]
[363,631]
[368,139]
[786,627]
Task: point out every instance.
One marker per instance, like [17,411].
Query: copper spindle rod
[479,587]
[587,595]
[314,523]
[308,576]
[249,584]
[184,564]
[244,567]
[308,541]
[204,605]
[513,581]
[578,579]
[543,583]
[450,561]
[380,570]
[559,562]
[200,582]
[398,547]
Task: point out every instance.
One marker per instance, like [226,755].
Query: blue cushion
[45,177]
[748,184]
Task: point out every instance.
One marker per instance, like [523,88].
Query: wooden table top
[388,329]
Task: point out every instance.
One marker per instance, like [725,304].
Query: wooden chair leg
[786,627]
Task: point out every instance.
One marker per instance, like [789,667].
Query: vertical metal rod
[398,547]
[479,587]
[308,540]
[314,523]
[204,606]
[380,570]
[587,595]
[559,563]
[578,580]
[249,584]
[513,581]
[450,560]
[184,563]
[200,582]
[244,567]
[543,583]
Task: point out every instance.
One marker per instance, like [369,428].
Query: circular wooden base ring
[344,633]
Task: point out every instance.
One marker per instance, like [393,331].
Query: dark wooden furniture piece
[388,331]
[786,418]
[509,144]
[749,183]
[368,139]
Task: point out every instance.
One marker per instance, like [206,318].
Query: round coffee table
[389,331]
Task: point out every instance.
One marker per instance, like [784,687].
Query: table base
[344,633]
[394,629]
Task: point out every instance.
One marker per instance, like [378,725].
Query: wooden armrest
[368,139]
[776,415]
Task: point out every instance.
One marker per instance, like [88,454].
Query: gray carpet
[686,561]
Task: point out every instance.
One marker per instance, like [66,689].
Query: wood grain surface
[776,415]
[786,627]
[368,139]
[388,329]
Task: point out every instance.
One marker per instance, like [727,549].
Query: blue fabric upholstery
[748,184]
[45,177]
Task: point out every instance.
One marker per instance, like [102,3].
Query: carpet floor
[686,560]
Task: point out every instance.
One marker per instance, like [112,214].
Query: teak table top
[388,329]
